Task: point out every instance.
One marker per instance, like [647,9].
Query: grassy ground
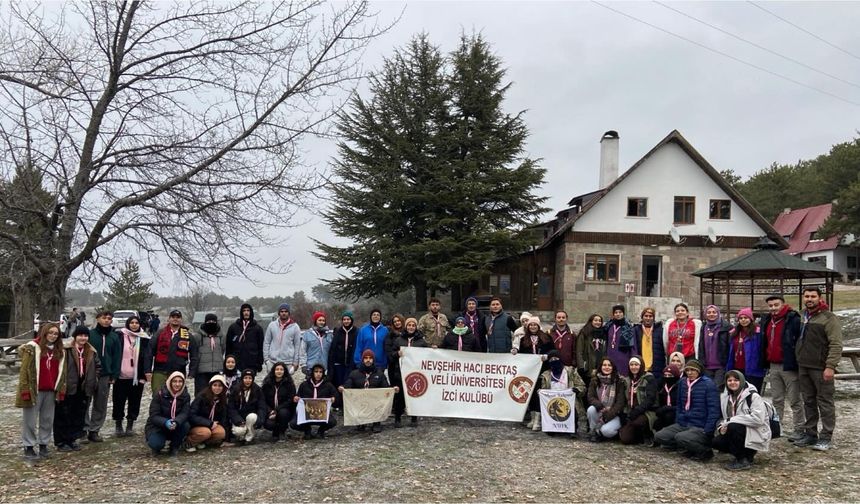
[847,299]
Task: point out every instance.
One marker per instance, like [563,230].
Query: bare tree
[166,128]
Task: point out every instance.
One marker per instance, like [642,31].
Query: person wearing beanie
[210,349]
[208,416]
[368,375]
[619,339]
[696,415]
[81,384]
[590,347]
[534,341]
[434,325]
[169,414]
[640,406]
[135,370]
[606,400]
[745,349]
[372,336]
[283,340]
[247,408]
[648,338]
[558,376]
[315,387]
[107,344]
[340,355]
[517,337]
[667,398]
[745,427]
[41,384]
[781,329]
[475,322]
[245,339]
[460,337]
[410,337]
[278,392]
[316,343]
[563,338]
[714,344]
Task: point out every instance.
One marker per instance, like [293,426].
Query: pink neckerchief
[367,379]
[668,390]
[320,338]
[346,336]
[173,405]
[473,321]
[212,410]
[534,339]
[690,392]
[733,402]
[562,378]
[80,361]
[212,342]
[283,330]
[50,354]
[460,342]
[559,335]
[613,338]
[409,340]
[438,330]
[634,386]
[317,386]
[131,343]
[374,329]
[244,328]
[277,386]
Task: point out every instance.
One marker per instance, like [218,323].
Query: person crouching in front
[367,376]
[315,387]
[168,415]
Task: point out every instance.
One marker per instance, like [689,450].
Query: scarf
[277,386]
[606,390]
[690,384]
[173,404]
[316,386]
[368,372]
[460,331]
[103,332]
[717,323]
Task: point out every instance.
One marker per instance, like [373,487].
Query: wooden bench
[852,353]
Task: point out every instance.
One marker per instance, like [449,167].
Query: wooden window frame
[684,200]
[631,200]
[718,215]
[608,260]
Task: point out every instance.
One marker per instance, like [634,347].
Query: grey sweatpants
[692,439]
[785,385]
[817,402]
[43,414]
[97,409]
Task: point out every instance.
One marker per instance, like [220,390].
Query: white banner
[313,410]
[557,410]
[448,383]
[363,406]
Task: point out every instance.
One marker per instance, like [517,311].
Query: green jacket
[820,342]
[28,379]
[109,350]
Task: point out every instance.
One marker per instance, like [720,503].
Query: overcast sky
[579,69]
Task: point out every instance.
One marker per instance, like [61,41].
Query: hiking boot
[805,441]
[703,456]
[44,452]
[174,452]
[376,428]
[593,437]
[321,433]
[119,431]
[30,453]
[822,445]
[64,448]
[795,436]
[129,428]
[94,437]
[739,465]
[397,423]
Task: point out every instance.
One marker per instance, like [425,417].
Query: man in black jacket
[781,328]
[245,340]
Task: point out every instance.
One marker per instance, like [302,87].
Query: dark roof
[800,224]
[676,137]
[766,263]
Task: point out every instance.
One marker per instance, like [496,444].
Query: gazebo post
[701,293]
[800,290]
[752,291]
[781,284]
[729,294]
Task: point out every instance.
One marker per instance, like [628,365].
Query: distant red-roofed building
[799,228]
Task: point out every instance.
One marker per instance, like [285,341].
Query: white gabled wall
[669,172]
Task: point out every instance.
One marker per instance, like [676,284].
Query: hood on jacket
[171,377]
[246,305]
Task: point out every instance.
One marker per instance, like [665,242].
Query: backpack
[772,417]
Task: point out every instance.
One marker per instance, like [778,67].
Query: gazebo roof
[766,263]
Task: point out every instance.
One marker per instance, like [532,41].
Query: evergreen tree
[433,183]
[128,291]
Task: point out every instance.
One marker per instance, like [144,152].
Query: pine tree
[433,184]
[128,291]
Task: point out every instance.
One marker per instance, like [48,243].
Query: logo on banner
[520,388]
[316,410]
[558,409]
[416,384]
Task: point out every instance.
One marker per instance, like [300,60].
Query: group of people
[686,383]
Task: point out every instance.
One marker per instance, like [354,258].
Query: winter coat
[282,345]
[343,347]
[142,356]
[239,408]
[246,343]
[790,334]
[28,378]
[751,413]
[324,391]
[820,342]
[109,350]
[617,407]
[91,370]
[315,351]
[658,351]
[451,342]
[667,401]
[210,357]
[427,326]
[392,348]
[200,408]
[704,409]
[159,409]
[753,348]
[620,344]
[722,344]
[645,399]
[499,328]
[588,355]
[565,343]
[365,340]
[175,356]
[480,329]
[357,379]
[697,331]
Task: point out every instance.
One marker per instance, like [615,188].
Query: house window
[721,209]
[637,207]
[685,209]
[500,285]
[601,268]
[852,262]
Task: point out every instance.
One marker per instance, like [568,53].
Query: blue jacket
[704,409]
[658,353]
[365,341]
[790,334]
[312,351]
[753,348]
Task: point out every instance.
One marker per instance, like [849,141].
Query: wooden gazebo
[762,272]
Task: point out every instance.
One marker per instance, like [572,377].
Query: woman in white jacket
[745,427]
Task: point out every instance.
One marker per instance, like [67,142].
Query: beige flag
[364,406]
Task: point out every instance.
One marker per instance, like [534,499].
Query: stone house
[635,240]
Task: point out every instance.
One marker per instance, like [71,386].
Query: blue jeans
[159,438]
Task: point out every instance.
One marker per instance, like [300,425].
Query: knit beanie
[674,369]
[80,330]
[347,313]
[534,320]
[316,316]
[210,317]
[746,312]
[459,319]
[284,306]
[694,364]
[218,378]
[368,353]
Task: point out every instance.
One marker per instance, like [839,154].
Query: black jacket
[159,409]
[326,390]
[392,348]
[285,392]
[247,348]
[342,348]
[358,378]
[200,409]
[239,408]
[451,342]
[480,330]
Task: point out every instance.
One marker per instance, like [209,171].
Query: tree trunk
[49,297]
[420,296]
[457,298]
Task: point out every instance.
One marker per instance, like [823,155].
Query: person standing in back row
[372,337]
[781,329]
[107,344]
[500,326]
[434,325]
[245,340]
[819,350]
